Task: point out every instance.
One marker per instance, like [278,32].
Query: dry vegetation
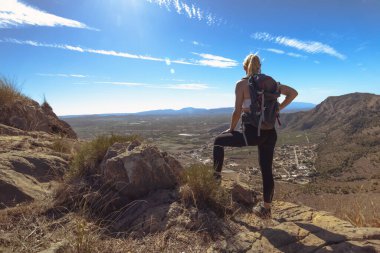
[199,188]
[32,228]
[85,224]
[87,159]
[9,92]
[83,189]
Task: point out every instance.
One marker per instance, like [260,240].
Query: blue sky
[96,56]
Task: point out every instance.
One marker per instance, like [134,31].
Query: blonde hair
[252,64]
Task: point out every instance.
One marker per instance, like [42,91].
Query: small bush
[9,91]
[362,212]
[46,105]
[87,159]
[202,190]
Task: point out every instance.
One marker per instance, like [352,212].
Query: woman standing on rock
[256,103]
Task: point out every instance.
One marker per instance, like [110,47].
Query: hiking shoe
[262,212]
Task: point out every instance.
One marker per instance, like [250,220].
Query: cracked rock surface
[295,228]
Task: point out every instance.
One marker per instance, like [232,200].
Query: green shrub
[87,159]
[201,189]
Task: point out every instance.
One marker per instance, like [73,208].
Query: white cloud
[276,51]
[206,59]
[186,86]
[172,71]
[63,75]
[123,84]
[16,13]
[190,10]
[216,61]
[313,47]
[296,55]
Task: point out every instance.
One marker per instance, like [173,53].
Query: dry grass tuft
[199,188]
[63,145]
[29,228]
[46,105]
[9,92]
[361,213]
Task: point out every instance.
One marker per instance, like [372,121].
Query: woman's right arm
[290,94]
[238,107]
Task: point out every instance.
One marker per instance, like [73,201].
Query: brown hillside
[351,113]
[351,124]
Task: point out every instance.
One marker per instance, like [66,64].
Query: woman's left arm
[238,108]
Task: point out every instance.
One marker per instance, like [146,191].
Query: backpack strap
[262,117]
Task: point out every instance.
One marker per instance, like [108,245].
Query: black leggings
[265,142]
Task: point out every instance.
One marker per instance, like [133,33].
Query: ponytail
[252,65]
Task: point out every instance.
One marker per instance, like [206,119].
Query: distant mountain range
[293,107]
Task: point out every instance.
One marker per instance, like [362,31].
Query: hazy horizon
[97,57]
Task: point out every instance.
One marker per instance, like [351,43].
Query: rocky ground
[145,205]
[30,164]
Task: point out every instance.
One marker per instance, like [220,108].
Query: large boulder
[136,171]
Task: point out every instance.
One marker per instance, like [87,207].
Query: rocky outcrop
[28,165]
[129,172]
[136,170]
[26,114]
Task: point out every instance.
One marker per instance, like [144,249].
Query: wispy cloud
[194,43]
[296,55]
[362,46]
[16,13]
[185,86]
[129,84]
[190,10]
[278,51]
[206,59]
[313,47]
[216,61]
[62,75]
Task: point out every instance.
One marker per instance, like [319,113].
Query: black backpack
[264,107]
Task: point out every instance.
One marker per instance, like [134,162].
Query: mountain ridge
[351,127]
[350,112]
[294,107]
